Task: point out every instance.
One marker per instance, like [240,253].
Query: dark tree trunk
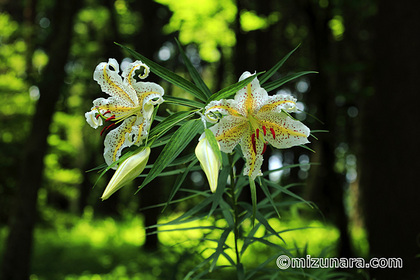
[390,145]
[325,186]
[148,43]
[18,247]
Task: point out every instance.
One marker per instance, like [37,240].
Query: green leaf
[276,67]
[278,83]
[220,247]
[268,195]
[169,122]
[179,141]
[168,75]
[232,89]
[179,182]
[193,72]
[286,191]
[183,102]
[213,144]
[253,199]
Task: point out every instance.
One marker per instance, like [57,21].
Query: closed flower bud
[209,162]
[127,171]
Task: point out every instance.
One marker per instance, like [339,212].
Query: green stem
[234,202]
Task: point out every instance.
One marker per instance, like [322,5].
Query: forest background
[362,177]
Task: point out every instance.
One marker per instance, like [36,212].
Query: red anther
[272,132]
[103,129]
[106,128]
[264,130]
[111,125]
[106,112]
[265,148]
[258,133]
[110,118]
[254,145]
[97,116]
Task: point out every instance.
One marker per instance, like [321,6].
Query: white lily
[130,105]
[209,162]
[127,171]
[253,119]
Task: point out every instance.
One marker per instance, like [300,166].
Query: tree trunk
[18,247]
[390,151]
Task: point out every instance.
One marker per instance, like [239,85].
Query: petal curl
[251,97]
[223,107]
[107,76]
[229,132]
[282,131]
[130,71]
[92,120]
[149,94]
[279,102]
[125,135]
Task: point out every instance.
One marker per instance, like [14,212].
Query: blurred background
[366,95]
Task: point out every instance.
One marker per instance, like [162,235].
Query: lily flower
[130,105]
[209,161]
[254,119]
[127,171]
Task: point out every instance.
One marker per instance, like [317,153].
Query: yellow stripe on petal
[282,131]
[227,108]
[249,101]
[116,141]
[116,89]
[272,106]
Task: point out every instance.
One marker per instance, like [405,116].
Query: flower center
[260,131]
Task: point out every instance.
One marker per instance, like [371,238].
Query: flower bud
[127,171]
[209,162]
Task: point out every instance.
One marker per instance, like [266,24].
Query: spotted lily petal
[254,120]
[229,132]
[128,109]
[126,172]
[106,74]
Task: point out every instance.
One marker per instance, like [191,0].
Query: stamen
[107,128]
[103,129]
[258,133]
[254,145]
[97,116]
[110,118]
[106,112]
[264,130]
[272,132]
[265,148]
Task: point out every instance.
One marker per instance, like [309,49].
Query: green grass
[96,249]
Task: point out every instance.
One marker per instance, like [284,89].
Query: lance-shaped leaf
[183,102]
[193,72]
[278,83]
[276,67]
[169,122]
[168,75]
[179,141]
[232,89]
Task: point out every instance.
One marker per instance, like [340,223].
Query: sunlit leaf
[220,247]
